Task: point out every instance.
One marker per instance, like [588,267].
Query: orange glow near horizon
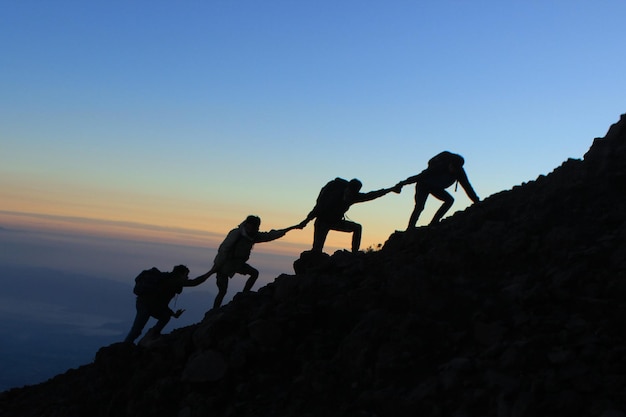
[294,242]
[45,206]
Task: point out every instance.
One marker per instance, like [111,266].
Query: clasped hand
[398,187]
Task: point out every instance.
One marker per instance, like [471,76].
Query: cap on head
[355,185]
[253,220]
[181,269]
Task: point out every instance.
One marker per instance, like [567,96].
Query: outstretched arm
[222,254]
[310,216]
[372,195]
[295,226]
[276,234]
[304,222]
[410,180]
[199,280]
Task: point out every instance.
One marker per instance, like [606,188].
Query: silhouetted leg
[356,237]
[421,194]
[222,287]
[254,274]
[141,318]
[320,231]
[355,228]
[447,199]
[163,318]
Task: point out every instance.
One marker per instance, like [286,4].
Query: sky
[162,121]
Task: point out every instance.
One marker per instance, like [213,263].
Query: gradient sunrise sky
[178,119]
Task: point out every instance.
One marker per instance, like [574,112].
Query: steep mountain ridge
[513,307]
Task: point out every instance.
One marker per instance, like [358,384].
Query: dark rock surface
[513,307]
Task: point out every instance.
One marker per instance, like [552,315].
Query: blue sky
[193,114]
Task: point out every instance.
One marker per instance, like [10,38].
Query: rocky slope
[513,307]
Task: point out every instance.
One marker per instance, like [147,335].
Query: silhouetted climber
[234,252]
[333,201]
[155,290]
[444,169]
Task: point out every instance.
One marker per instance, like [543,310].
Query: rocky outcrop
[513,307]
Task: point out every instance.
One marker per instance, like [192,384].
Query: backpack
[149,281]
[441,161]
[330,197]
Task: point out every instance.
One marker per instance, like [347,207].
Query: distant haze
[68,292]
[67,244]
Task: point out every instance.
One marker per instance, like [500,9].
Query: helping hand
[200,279]
[397,188]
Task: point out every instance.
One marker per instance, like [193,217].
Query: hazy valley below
[52,321]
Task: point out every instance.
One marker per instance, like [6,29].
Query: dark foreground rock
[514,307]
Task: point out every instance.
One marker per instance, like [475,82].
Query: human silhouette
[332,203]
[154,298]
[234,252]
[444,169]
